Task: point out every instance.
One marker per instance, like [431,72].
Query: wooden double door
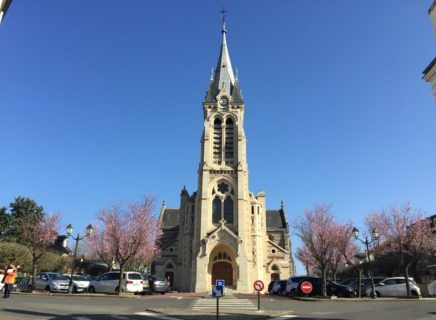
[222,271]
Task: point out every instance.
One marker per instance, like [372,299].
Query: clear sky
[101,101]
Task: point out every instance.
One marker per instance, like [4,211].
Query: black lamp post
[366,242]
[89,230]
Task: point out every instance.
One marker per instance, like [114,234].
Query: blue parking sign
[219,283]
[217,291]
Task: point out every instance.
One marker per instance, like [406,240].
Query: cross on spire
[223,18]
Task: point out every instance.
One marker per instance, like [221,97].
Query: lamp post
[366,242]
[88,231]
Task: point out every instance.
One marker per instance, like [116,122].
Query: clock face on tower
[224,101]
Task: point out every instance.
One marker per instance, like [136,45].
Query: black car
[333,288]
[271,285]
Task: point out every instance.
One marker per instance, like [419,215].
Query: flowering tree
[406,234]
[37,236]
[317,231]
[303,254]
[126,232]
[343,247]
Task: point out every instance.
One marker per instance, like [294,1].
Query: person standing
[9,281]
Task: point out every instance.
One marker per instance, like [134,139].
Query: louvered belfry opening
[217,141]
[229,151]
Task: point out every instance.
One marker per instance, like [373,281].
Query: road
[188,307]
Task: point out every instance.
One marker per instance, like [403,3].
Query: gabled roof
[275,219]
[170,218]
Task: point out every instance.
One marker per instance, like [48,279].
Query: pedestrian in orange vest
[9,280]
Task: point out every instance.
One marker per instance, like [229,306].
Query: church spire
[223,77]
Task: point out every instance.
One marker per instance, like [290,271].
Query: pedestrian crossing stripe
[224,304]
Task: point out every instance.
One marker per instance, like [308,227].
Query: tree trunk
[406,276]
[120,282]
[324,281]
[33,271]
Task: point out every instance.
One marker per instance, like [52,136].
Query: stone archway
[222,266]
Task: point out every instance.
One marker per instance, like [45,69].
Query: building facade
[429,73]
[223,231]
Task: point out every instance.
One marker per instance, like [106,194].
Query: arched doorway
[275,273]
[222,270]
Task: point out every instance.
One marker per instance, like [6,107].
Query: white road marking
[155,315]
[224,304]
[179,298]
[288,316]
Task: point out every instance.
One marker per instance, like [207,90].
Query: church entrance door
[222,271]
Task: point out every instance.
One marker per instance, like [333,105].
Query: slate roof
[170,218]
[275,219]
[223,77]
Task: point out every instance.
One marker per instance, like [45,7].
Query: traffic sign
[306,287]
[217,291]
[219,283]
[258,285]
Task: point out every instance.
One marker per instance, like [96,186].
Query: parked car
[51,281]
[333,288]
[22,284]
[365,284]
[347,282]
[80,283]
[279,288]
[395,287]
[157,284]
[270,285]
[108,282]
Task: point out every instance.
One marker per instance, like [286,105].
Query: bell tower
[223,203]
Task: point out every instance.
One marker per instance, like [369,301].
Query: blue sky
[101,101]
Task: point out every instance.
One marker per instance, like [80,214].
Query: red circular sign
[306,287]
[258,285]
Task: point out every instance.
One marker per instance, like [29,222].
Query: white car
[394,287]
[80,283]
[108,283]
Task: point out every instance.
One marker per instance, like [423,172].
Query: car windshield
[55,276]
[159,279]
[81,278]
[134,276]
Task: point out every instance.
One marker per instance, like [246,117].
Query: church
[222,230]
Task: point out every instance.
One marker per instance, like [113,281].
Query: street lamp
[69,229]
[366,242]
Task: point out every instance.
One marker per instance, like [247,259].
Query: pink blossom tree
[343,247]
[37,236]
[303,254]
[126,232]
[317,231]
[404,233]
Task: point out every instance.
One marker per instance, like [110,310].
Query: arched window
[217,141]
[170,266]
[274,268]
[228,209]
[229,146]
[216,210]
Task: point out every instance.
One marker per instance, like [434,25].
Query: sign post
[218,292]
[258,286]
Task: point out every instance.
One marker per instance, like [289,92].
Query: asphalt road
[186,307]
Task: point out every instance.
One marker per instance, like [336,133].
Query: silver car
[394,287]
[51,281]
[80,283]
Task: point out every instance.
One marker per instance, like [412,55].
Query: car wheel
[47,288]
[162,293]
[91,290]
[74,289]
[292,293]
[414,293]
[378,294]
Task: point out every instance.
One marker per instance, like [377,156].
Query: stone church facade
[223,231]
